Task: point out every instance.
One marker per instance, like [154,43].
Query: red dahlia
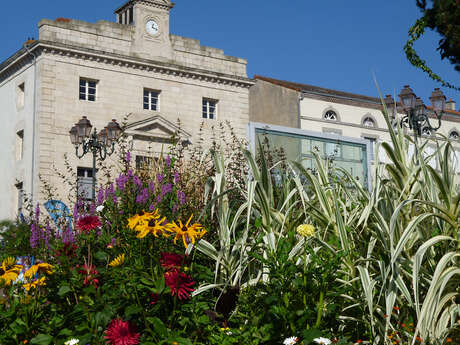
[171,260]
[120,332]
[88,223]
[179,283]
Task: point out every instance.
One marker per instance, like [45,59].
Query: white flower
[73,341]
[100,208]
[290,341]
[322,341]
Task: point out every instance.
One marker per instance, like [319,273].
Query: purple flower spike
[160,178]
[128,157]
[176,177]
[166,188]
[181,197]
[100,196]
[168,160]
[151,187]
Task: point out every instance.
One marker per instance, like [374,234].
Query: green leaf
[42,339]
[101,256]
[63,290]
[310,334]
[131,310]
[159,326]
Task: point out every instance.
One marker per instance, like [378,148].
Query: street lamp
[102,143]
[416,115]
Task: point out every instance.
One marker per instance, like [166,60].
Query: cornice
[165,5]
[53,48]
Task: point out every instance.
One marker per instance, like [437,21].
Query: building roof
[337,96]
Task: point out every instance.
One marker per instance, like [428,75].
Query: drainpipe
[33,123]
[299,121]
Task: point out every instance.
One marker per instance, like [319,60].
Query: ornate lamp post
[102,143]
[417,116]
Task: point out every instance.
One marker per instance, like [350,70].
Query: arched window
[454,135]
[330,115]
[368,122]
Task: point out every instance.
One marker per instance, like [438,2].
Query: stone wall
[273,104]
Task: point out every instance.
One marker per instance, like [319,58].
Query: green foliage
[444,17]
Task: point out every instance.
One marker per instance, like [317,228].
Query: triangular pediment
[155,127]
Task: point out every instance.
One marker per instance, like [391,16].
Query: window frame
[149,104]
[205,108]
[20,145]
[86,94]
[85,179]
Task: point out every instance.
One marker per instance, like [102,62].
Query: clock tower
[150,19]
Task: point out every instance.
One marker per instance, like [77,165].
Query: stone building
[336,113]
[105,71]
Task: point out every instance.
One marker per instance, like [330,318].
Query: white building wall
[15,118]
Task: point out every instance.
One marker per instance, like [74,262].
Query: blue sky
[330,43]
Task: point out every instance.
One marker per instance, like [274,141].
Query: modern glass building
[350,154]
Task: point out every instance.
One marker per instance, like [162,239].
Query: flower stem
[320,309]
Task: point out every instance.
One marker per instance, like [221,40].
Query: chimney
[450,105]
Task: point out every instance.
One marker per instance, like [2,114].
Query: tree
[443,17]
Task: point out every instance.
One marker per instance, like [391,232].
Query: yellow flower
[41,267]
[188,232]
[153,226]
[35,284]
[141,218]
[306,230]
[9,271]
[118,261]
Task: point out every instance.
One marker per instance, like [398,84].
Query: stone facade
[123,59]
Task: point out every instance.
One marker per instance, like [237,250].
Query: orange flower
[419,339]
[359,341]
[396,308]
[449,340]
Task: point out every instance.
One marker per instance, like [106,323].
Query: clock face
[152,27]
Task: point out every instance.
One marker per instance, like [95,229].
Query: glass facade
[297,145]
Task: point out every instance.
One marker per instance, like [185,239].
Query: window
[88,90]
[330,115]
[368,122]
[454,135]
[143,162]
[20,196]
[85,183]
[372,148]
[131,15]
[209,108]
[21,95]
[19,144]
[151,100]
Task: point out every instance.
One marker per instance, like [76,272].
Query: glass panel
[349,156]
[146,106]
[92,91]
[91,98]
[83,96]
[92,84]
[82,82]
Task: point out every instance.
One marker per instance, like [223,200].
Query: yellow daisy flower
[35,284]
[41,267]
[9,271]
[153,226]
[189,233]
[306,230]
[141,218]
[118,261]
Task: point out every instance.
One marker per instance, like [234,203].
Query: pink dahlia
[88,223]
[120,332]
[171,260]
[179,283]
